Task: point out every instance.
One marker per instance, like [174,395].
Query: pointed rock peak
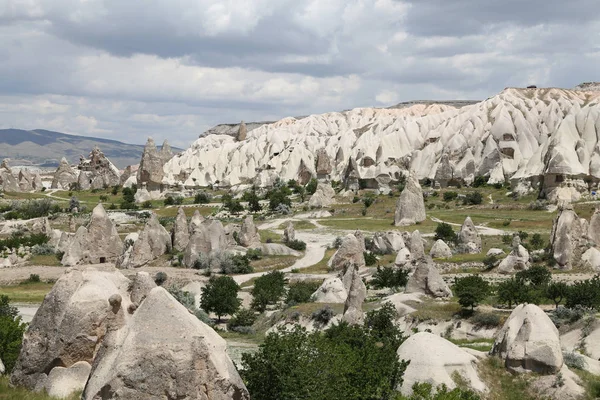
[181,213]
[63,161]
[166,147]
[5,164]
[99,212]
[468,223]
[150,142]
[242,132]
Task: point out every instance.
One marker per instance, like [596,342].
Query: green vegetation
[268,289]
[301,292]
[11,333]
[389,277]
[26,292]
[220,296]
[7,392]
[17,240]
[471,290]
[445,232]
[31,209]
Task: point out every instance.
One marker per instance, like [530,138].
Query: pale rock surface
[2,367]
[529,341]
[332,290]
[323,197]
[249,236]
[591,259]
[469,240]
[361,240]
[571,388]
[517,259]
[289,233]
[97,172]
[69,325]
[357,292]
[97,242]
[387,242]
[427,280]
[180,234]
[195,288]
[208,237]
[410,207]
[153,242]
[495,252]
[324,166]
[350,252]
[150,172]
[144,360]
[417,246]
[567,238]
[242,132]
[141,285]
[278,249]
[403,257]
[62,382]
[142,195]
[195,224]
[594,228]
[8,181]
[434,360]
[440,250]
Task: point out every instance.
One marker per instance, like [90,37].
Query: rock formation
[332,290]
[324,167]
[242,132]
[416,245]
[2,368]
[594,228]
[153,242]
[568,237]
[427,280]
[529,341]
[141,285]
[249,236]
[435,360]
[289,233]
[357,292]
[98,242]
[440,250]
[209,236]
[387,242]
[517,259]
[195,224]
[145,360]
[469,241]
[62,382]
[150,172]
[97,172]
[349,253]
[410,207]
[180,233]
[323,197]
[8,181]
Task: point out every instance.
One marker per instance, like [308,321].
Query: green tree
[445,232]
[425,391]
[389,277]
[311,187]
[584,293]
[278,197]
[538,275]
[536,241]
[557,291]
[473,198]
[11,333]
[512,291]
[201,198]
[471,290]
[449,196]
[220,296]
[301,292]
[268,289]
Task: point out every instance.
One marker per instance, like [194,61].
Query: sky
[171,69]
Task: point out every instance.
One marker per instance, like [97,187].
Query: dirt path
[483,230]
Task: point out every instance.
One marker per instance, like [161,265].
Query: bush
[33,278]
[240,264]
[278,198]
[322,315]
[254,254]
[370,258]
[538,205]
[301,292]
[243,317]
[214,260]
[389,277]
[584,293]
[170,200]
[368,200]
[15,241]
[445,232]
[449,196]
[220,296]
[480,181]
[311,187]
[296,244]
[473,198]
[491,262]
[337,243]
[471,290]
[147,204]
[202,198]
[486,320]
[42,250]
[268,289]
[160,278]
[536,242]
[185,298]
[574,360]
[11,333]
[31,209]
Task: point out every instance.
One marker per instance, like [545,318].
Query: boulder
[435,360]
[180,233]
[324,166]
[570,387]
[142,195]
[249,236]
[403,257]
[97,172]
[332,290]
[410,207]
[517,259]
[69,325]
[469,241]
[495,252]
[427,280]
[164,352]
[361,240]
[8,181]
[63,382]
[323,197]
[357,292]
[440,250]
[141,285]
[591,259]
[567,238]
[242,132]
[387,242]
[98,242]
[529,341]
[594,228]
[417,248]
[196,222]
[350,252]
[153,242]
[209,236]
[278,249]
[289,233]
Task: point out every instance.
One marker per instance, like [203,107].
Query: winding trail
[483,230]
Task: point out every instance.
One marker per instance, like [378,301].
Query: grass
[10,393]
[27,292]
[321,266]
[268,263]
[48,260]
[435,310]
[484,345]
[266,234]
[189,211]
[502,384]
[591,383]
[299,225]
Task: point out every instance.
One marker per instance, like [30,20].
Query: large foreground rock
[529,341]
[435,360]
[164,352]
[357,292]
[62,382]
[69,325]
[427,280]
[249,236]
[410,207]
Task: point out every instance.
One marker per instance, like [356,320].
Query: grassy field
[273,263]
[9,393]
[50,260]
[26,292]
[299,225]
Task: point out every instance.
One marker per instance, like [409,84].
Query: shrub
[254,254]
[311,187]
[33,278]
[471,290]
[147,204]
[11,333]
[268,289]
[491,261]
[103,198]
[243,317]
[538,205]
[160,278]
[389,277]
[563,315]
[368,200]
[277,198]
[584,293]
[536,242]
[445,232]
[296,244]
[370,258]
[42,250]
[449,196]
[473,198]
[202,198]
[337,243]
[507,239]
[220,296]
[574,360]
[480,181]
[323,315]
[169,201]
[31,209]
[355,199]
[301,292]
[185,298]
[487,320]
[15,241]
[240,264]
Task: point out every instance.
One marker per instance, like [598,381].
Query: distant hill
[46,148]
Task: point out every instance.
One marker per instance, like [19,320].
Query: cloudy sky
[128,69]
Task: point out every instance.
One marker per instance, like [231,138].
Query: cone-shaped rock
[469,241]
[180,233]
[410,207]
